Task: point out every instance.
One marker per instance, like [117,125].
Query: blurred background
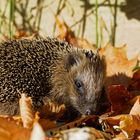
[98,21]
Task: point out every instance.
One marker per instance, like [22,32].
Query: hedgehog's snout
[88,112]
[89,109]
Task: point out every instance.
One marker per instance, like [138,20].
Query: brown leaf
[120,136]
[11,129]
[20,34]
[91,119]
[84,44]
[135,82]
[65,32]
[128,124]
[119,98]
[136,75]
[52,111]
[119,68]
[47,124]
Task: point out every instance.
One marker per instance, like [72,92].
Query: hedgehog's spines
[43,67]
[25,54]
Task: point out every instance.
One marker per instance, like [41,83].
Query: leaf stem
[97,34]
[11,17]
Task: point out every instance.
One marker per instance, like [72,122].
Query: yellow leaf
[136,108]
[119,68]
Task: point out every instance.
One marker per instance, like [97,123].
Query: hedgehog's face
[86,78]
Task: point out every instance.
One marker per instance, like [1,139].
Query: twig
[11,17]
[97,35]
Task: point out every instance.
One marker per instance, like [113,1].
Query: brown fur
[92,75]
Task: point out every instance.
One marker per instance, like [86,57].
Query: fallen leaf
[120,136]
[47,124]
[52,111]
[26,111]
[133,100]
[119,68]
[84,44]
[82,134]
[135,82]
[83,121]
[11,129]
[136,108]
[119,98]
[126,123]
[37,132]
[65,33]
[19,34]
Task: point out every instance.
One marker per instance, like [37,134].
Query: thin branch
[97,34]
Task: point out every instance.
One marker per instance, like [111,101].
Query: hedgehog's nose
[88,112]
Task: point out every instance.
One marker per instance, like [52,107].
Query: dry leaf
[65,32]
[26,111]
[128,124]
[37,133]
[136,108]
[52,111]
[84,44]
[62,27]
[133,100]
[136,75]
[85,121]
[119,68]
[20,34]
[135,82]
[120,136]
[11,129]
[47,124]
[82,134]
[119,98]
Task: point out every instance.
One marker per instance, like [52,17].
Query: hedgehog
[50,69]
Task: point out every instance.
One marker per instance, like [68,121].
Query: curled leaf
[128,124]
[26,111]
[136,108]
[85,133]
[52,111]
[37,133]
[65,32]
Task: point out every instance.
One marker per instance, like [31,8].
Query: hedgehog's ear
[89,54]
[70,61]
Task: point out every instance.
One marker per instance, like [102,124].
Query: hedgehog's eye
[79,86]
